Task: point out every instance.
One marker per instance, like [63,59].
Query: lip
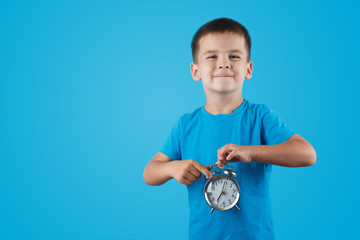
[224,74]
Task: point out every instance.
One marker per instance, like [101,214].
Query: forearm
[161,169]
[293,153]
[156,173]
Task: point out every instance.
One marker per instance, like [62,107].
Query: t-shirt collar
[236,112]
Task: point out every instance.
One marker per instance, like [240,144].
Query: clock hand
[219,196]
[222,191]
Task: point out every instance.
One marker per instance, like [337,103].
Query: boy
[227,129]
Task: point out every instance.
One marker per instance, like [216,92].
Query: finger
[202,169]
[185,182]
[222,152]
[194,171]
[208,167]
[219,152]
[192,176]
[221,163]
[231,155]
[190,169]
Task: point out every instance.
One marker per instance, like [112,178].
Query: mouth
[226,74]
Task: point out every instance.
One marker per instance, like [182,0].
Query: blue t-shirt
[198,136]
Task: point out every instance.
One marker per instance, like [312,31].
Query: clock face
[222,192]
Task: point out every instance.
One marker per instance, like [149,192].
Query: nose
[224,64]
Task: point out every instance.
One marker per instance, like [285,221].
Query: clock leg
[212,210]
[237,207]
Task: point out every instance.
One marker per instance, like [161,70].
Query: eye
[233,56]
[211,57]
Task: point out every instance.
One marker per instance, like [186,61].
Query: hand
[188,171]
[233,153]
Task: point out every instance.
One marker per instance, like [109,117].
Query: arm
[295,152]
[161,169]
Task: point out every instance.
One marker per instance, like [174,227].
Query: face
[222,63]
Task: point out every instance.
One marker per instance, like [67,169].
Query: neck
[223,103]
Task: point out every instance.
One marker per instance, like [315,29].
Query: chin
[222,88]
[223,91]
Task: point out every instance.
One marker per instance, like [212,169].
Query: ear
[249,70]
[195,72]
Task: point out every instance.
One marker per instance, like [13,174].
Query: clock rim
[214,179]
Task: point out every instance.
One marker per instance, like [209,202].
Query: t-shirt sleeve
[171,147]
[274,130]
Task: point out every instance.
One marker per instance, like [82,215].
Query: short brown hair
[220,25]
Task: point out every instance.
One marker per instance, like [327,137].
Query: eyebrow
[211,51]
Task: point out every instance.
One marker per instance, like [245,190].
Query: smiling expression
[222,64]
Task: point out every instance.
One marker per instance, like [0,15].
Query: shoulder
[191,116]
[256,109]
[189,121]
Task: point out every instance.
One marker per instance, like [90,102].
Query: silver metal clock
[222,191]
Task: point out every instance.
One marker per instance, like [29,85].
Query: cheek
[205,71]
[242,70]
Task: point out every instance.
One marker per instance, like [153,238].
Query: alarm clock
[222,192]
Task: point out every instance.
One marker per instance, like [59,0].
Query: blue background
[90,91]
